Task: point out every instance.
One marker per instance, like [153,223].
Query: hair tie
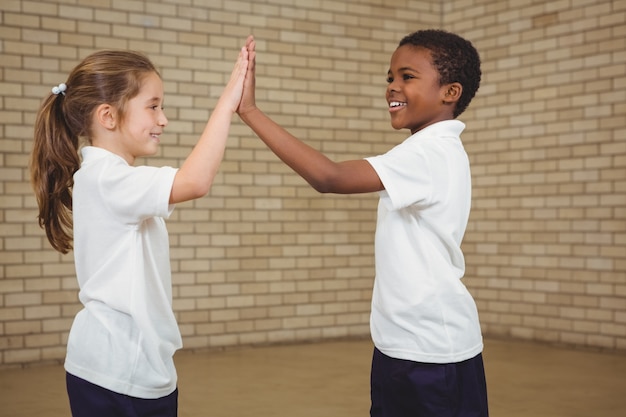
[59,89]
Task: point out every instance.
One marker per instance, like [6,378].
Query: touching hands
[248,102]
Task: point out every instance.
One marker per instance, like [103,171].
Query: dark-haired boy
[427,359]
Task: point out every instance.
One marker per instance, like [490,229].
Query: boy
[427,359]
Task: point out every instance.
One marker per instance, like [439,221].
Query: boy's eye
[405,77]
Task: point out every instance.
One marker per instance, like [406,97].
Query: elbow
[323,185]
[322,188]
[319,189]
[188,190]
[195,188]
[199,190]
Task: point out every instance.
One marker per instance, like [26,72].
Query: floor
[331,379]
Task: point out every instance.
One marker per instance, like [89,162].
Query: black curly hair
[455,59]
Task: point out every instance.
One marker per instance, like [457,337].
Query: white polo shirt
[125,337]
[421,311]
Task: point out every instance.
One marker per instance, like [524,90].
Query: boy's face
[415,97]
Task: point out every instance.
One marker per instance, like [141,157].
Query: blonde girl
[93,200]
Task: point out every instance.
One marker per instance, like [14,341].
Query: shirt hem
[117,386]
[437,358]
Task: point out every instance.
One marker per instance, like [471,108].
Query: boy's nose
[391,87]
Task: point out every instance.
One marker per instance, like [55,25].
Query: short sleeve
[406,174]
[137,193]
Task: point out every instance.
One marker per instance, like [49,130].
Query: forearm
[204,160]
[306,161]
[197,173]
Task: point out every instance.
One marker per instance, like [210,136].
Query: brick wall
[263,258]
[546,247]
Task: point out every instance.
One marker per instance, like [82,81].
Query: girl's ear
[106,116]
[452,93]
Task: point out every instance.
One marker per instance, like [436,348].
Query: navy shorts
[401,388]
[90,400]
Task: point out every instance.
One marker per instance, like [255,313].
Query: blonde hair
[109,76]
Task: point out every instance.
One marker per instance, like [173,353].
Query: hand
[234,89]
[248,102]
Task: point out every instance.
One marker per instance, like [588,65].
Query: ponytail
[54,160]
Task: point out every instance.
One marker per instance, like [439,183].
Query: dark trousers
[90,400]
[402,388]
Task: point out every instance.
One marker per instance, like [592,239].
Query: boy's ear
[106,116]
[452,93]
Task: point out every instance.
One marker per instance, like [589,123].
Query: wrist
[246,112]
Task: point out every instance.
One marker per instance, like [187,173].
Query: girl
[120,349]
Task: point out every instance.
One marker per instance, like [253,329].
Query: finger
[251,61]
[251,56]
[249,41]
[242,63]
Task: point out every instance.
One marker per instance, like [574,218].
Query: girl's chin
[151,151]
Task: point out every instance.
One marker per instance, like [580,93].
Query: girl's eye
[389,80]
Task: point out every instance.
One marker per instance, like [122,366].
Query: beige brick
[120,31]
[12,356]
[41,340]
[111,16]
[130,5]
[78,40]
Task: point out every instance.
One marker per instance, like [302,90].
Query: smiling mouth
[396,105]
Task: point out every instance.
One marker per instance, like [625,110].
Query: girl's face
[414,95]
[144,120]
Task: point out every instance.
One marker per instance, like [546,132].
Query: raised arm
[195,176]
[326,176]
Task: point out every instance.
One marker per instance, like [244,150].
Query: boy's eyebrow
[404,69]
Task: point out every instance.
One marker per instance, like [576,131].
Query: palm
[234,88]
[248,101]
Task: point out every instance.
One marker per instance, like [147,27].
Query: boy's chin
[398,126]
